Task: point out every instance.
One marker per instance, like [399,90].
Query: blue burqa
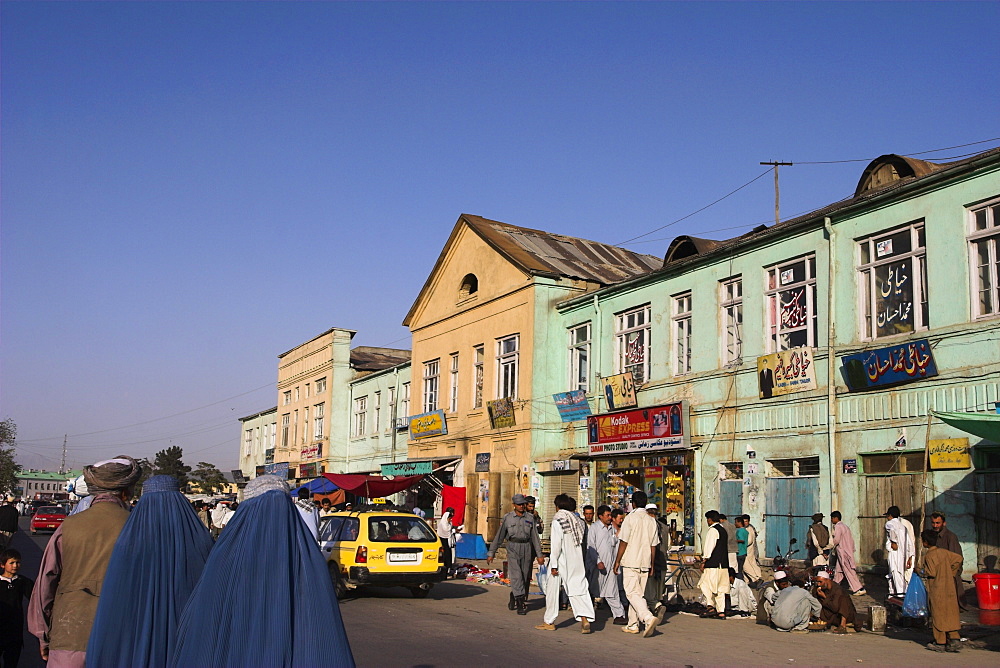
[265,598]
[156,562]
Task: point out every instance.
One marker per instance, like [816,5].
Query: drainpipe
[831,362]
[595,348]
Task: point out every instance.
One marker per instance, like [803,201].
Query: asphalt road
[467,624]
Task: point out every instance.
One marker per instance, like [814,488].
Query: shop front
[646,449]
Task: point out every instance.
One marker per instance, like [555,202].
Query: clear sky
[190,189]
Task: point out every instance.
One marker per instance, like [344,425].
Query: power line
[935,150]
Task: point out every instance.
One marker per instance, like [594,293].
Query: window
[785,468]
[632,338]
[404,403]
[579,357]
[453,384]
[296,394]
[400,529]
[984,247]
[286,397]
[247,439]
[682,333]
[731,470]
[321,385]
[731,306]
[477,392]
[893,462]
[893,277]
[318,419]
[360,415]
[432,372]
[469,287]
[378,412]
[274,428]
[507,354]
[305,424]
[284,430]
[307,390]
[392,408]
[295,427]
[791,304]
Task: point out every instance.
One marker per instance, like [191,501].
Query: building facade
[259,436]
[379,404]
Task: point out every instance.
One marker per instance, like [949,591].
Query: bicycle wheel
[688,578]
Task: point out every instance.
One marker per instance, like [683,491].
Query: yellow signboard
[785,372]
[950,453]
[620,391]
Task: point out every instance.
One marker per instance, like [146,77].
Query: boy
[13,588]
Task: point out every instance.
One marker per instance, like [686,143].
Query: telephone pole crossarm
[777,196]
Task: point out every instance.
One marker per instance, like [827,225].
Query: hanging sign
[428,424]
[949,453]
[785,372]
[903,363]
[407,468]
[619,391]
[572,405]
[501,413]
[482,462]
[658,428]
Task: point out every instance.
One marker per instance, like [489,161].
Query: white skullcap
[823,574]
[780,575]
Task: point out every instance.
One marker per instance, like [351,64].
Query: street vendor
[518,529]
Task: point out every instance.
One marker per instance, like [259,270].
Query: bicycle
[680,577]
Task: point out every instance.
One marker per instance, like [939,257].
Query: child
[13,588]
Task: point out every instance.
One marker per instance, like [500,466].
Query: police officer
[518,528]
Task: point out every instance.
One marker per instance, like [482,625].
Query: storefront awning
[984,425]
[318,485]
[370,486]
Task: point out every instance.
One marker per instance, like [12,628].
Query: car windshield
[51,510]
[396,529]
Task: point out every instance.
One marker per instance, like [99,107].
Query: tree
[147,470]
[170,462]
[208,477]
[8,467]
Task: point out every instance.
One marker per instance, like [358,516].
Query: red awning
[370,486]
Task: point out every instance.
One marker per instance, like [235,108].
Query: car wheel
[339,586]
[420,592]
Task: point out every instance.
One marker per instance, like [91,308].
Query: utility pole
[62,464]
[777,196]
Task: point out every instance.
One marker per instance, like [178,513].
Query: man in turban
[62,609]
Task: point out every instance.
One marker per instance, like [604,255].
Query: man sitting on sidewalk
[793,607]
[838,609]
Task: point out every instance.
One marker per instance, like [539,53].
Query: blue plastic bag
[915,601]
[543,575]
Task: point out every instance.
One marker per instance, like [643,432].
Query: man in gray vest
[62,607]
[518,529]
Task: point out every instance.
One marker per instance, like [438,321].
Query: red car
[47,518]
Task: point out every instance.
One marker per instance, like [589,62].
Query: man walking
[842,555]
[947,540]
[603,540]
[637,543]
[518,529]
[900,551]
[751,566]
[656,583]
[62,608]
[567,535]
[715,567]
[8,522]
[940,567]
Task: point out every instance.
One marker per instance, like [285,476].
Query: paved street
[468,624]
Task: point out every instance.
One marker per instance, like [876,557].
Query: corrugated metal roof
[364,358]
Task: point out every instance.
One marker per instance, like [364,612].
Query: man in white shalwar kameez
[741,598]
[900,551]
[604,541]
[566,567]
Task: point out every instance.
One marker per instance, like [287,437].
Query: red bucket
[987,590]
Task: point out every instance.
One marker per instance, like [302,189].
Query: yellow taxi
[383,547]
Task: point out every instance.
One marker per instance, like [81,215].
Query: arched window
[470,286]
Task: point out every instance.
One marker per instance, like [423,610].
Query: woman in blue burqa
[265,598]
[156,562]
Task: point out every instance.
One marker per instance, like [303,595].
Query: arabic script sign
[572,405]
[902,363]
[407,468]
[658,428]
[428,424]
[949,453]
[501,413]
[619,391]
[786,372]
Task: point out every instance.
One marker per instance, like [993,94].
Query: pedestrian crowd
[122,585]
[606,556]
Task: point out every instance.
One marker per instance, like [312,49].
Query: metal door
[731,498]
[791,503]
[987,521]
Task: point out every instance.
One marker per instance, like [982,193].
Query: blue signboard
[279,469]
[572,405]
[902,363]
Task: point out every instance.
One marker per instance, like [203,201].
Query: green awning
[984,425]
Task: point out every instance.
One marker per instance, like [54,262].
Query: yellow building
[476,323]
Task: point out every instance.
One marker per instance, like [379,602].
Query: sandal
[709,612]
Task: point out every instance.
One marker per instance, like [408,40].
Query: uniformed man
[518,529]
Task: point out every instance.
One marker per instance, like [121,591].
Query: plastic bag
[915,601]
[543,575]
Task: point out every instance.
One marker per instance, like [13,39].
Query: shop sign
[572,405]
[620,391]
[279,469]
[407,468]
[312,451]
[428,424]
[562,465]
[378,501]
[269,456]
[259,471]
[949,453]
[238,476]
[641,430]
[482,462]
[785,372]
[902,363]
[308,470]
[501,413]
[850,465]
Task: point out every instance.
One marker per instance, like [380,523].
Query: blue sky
[190,189]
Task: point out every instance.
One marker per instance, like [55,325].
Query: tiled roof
[365,358]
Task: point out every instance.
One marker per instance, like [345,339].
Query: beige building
[314,401]
[474,335]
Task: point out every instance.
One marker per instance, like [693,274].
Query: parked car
[47,518]
[383,547]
